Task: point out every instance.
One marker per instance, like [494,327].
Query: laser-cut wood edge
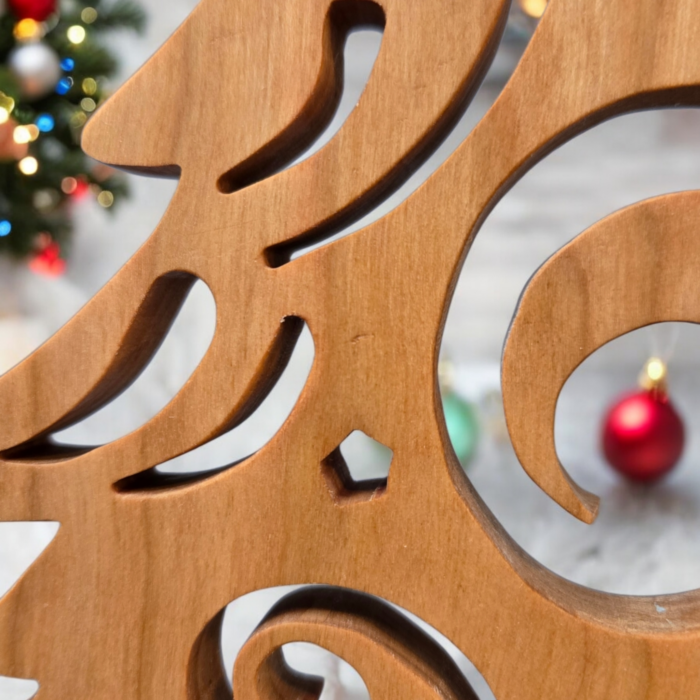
[149,571]
[395,657]
[461,66]
[632,269]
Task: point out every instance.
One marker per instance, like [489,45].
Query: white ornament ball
[37,67]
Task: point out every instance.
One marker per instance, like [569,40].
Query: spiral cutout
[394,657]
[632,269]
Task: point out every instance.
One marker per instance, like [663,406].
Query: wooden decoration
[128,600]
[634,268]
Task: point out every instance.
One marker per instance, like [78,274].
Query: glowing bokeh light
[533,8]
[76,34]
[28,29]
[656,369]
[29,165]
[105,199]
[45,123]
[89,86]
[64,85]
[69,185]
[7,104]
[21,135]
[88,15]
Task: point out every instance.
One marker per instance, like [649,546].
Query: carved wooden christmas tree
[128,600]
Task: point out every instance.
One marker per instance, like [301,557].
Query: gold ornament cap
[653,376]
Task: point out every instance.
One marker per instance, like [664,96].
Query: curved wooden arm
[634,268]
[95,356]
[393,656]
[104,348]
[432,59]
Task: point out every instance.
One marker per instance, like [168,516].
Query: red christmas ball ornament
[38,10]
[643,435]
[82,188]
[48,261]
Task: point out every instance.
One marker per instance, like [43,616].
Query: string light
[88,15]
[69,185]
[655,369]
[27,30]
[76,34]
[21,135]
[533,8]
[78,119]
[653,375]
[7,104]
[105,199]
[41,132]
[45,123]
[89,86]
[25,134]
[64,85]
[29,165]
[77,188]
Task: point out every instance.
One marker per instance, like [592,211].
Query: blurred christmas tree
[53,67]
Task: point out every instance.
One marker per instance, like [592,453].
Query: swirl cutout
[632,269]
[393,656]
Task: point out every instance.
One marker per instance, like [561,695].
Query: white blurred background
[645,539]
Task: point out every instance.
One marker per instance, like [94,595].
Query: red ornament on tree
[643,435]
[48,260]
[82,188]
[38,10]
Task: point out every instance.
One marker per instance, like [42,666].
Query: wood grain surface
[396,658]
[634,268]
[128,599]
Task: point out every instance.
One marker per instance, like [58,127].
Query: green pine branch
[91,58]
[122,14]
[37,204]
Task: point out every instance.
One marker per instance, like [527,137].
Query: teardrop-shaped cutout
[236,445]
[17,688]
[260,427]
[21,544]
[179,355]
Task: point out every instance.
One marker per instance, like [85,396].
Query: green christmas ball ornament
[462,426]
